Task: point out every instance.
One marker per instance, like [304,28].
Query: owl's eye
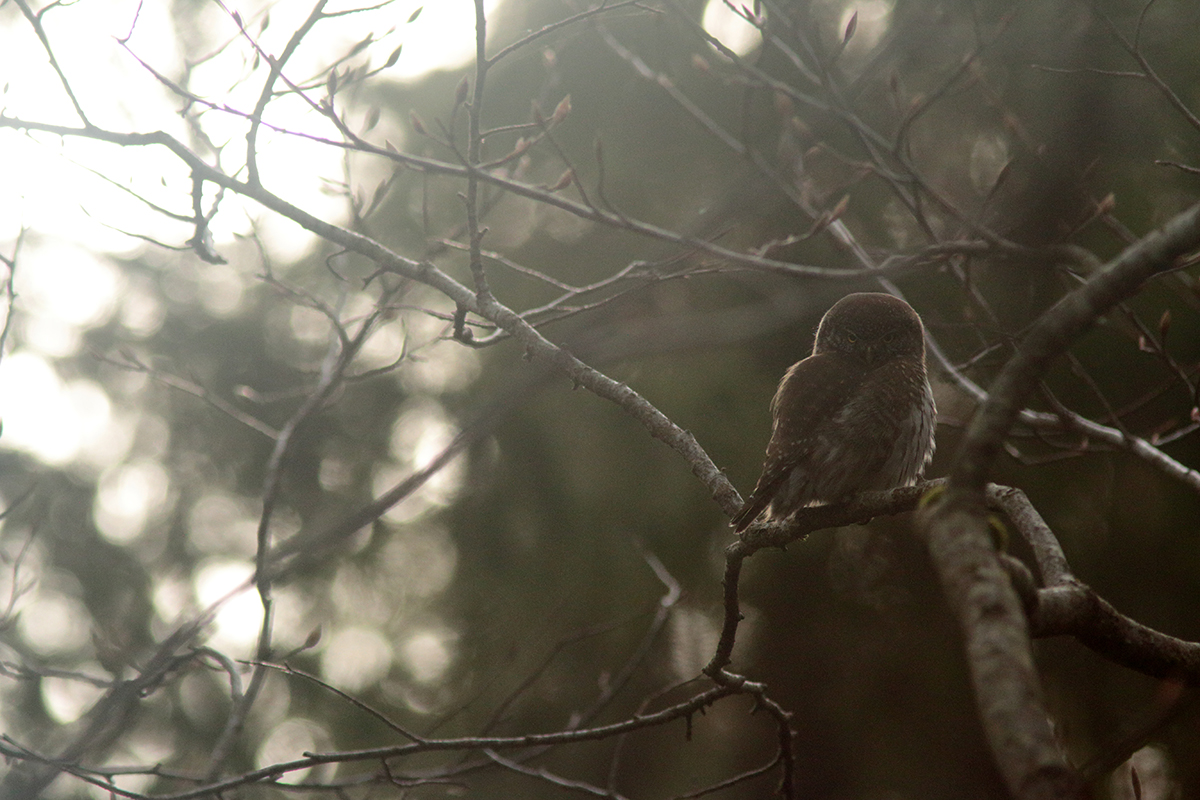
[889,337]
[852,338]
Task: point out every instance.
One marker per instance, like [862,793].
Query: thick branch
[956,530]
[997,648]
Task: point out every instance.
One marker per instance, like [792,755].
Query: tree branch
[956,529]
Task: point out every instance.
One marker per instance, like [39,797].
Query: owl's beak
[871,351]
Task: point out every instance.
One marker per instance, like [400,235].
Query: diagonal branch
[1057,329]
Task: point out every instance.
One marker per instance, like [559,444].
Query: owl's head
[871,327]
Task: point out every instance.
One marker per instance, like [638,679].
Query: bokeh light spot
[45,416]
[67,699]
[238,621]
[53,623]
[128,495]
[729,27]
[441,38]
[355,658]
[288,740]
[427,655]
[67,283]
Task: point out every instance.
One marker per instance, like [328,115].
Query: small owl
[857,415]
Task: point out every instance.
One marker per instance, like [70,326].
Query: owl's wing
[809,394]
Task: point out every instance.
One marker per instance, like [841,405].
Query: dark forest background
[564,568]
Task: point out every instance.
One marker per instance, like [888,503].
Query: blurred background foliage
[508,593]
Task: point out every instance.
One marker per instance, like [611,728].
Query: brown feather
[854,416]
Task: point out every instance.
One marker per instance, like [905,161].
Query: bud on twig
[851,26]
[372,119]
[561,110]
[825,220]
[840,208]
[564,181]
[380,191]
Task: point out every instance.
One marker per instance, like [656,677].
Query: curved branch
[1074,609]
[1067,607]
